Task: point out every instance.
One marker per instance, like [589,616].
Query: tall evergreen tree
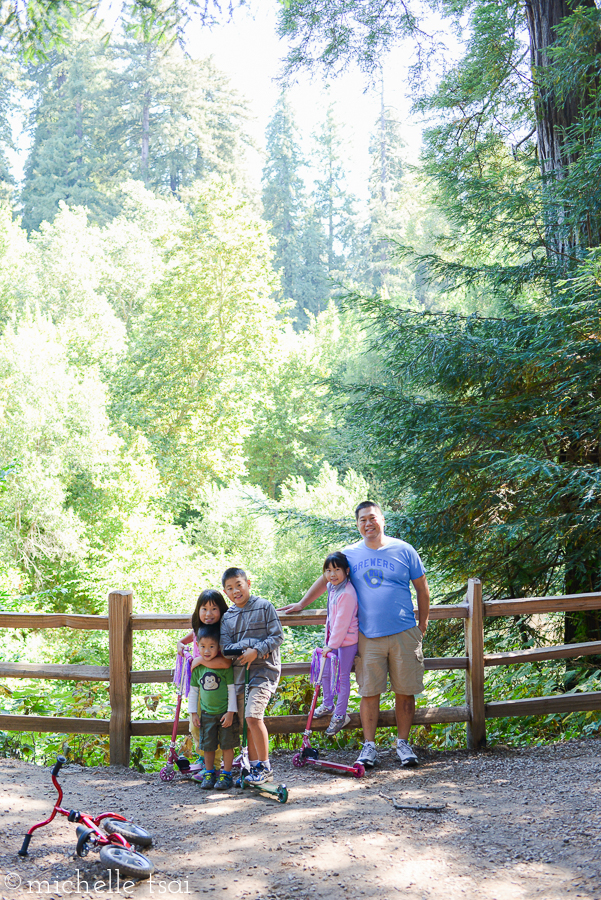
[175,119]
[283,194]
[68,156]
[141,109]
[300,242]
[333,201]
[314,287]
[386,218]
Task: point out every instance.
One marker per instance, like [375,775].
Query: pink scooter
[309,754]
[181,679]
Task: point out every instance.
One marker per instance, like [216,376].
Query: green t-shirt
[212,688]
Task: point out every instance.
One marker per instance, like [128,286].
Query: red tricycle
[116,842]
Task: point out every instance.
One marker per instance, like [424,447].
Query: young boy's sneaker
[208,780]
[259,774]
[224,782]
[337,723]
[405,753]
[323,710]
[368,756]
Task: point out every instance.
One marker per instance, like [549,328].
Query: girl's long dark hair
[339,561]
[208,596]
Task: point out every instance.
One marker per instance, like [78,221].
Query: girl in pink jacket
[342,630]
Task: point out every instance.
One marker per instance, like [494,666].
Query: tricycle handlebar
[60,762]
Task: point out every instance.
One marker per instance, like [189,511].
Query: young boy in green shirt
[213,708]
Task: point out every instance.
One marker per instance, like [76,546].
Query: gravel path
[517,824]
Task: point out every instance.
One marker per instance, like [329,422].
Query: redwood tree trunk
[566,239]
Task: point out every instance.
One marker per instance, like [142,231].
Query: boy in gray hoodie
[252,625]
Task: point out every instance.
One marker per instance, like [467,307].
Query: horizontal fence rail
[121,622]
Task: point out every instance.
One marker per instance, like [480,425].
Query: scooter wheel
[359,770]
[82,847]
[282,793]
[126,862]
[132,833]
[167,773]
[310,753]
[298,761]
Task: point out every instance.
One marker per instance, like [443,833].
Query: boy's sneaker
[323,710]
[224,782]
[368,756]
[405,753]
[259,774]
[208,780]
[337,723]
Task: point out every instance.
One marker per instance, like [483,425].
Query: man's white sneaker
[368,756]
[405,753]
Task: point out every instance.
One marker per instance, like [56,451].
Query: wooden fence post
[474,675]
[120,661]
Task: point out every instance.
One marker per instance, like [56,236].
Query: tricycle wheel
[127,862]
[359,770]
[167,773]
[282,793]
[82,847]
[132,833]
[310,753]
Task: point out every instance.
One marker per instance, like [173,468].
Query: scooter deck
[277,792]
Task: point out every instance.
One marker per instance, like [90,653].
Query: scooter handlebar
[60,762]
[234,651]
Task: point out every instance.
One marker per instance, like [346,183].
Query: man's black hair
[365,505]
[209,631]
[234,572]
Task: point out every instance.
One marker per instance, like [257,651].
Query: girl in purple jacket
[342,630]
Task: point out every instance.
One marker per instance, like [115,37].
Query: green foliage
[496,438]
[55,425]
[292,431]
[37,27]
[202,346]
[328,33]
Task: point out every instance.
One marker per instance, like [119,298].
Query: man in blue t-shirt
[390,643]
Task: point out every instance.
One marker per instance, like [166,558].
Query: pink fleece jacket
[342,624]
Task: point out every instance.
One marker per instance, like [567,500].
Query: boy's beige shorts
[398,655]
[258,698]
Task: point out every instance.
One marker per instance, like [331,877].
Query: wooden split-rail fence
[121,622]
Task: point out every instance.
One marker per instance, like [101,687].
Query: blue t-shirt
[382,581]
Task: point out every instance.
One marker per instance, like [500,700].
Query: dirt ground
[517,824]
